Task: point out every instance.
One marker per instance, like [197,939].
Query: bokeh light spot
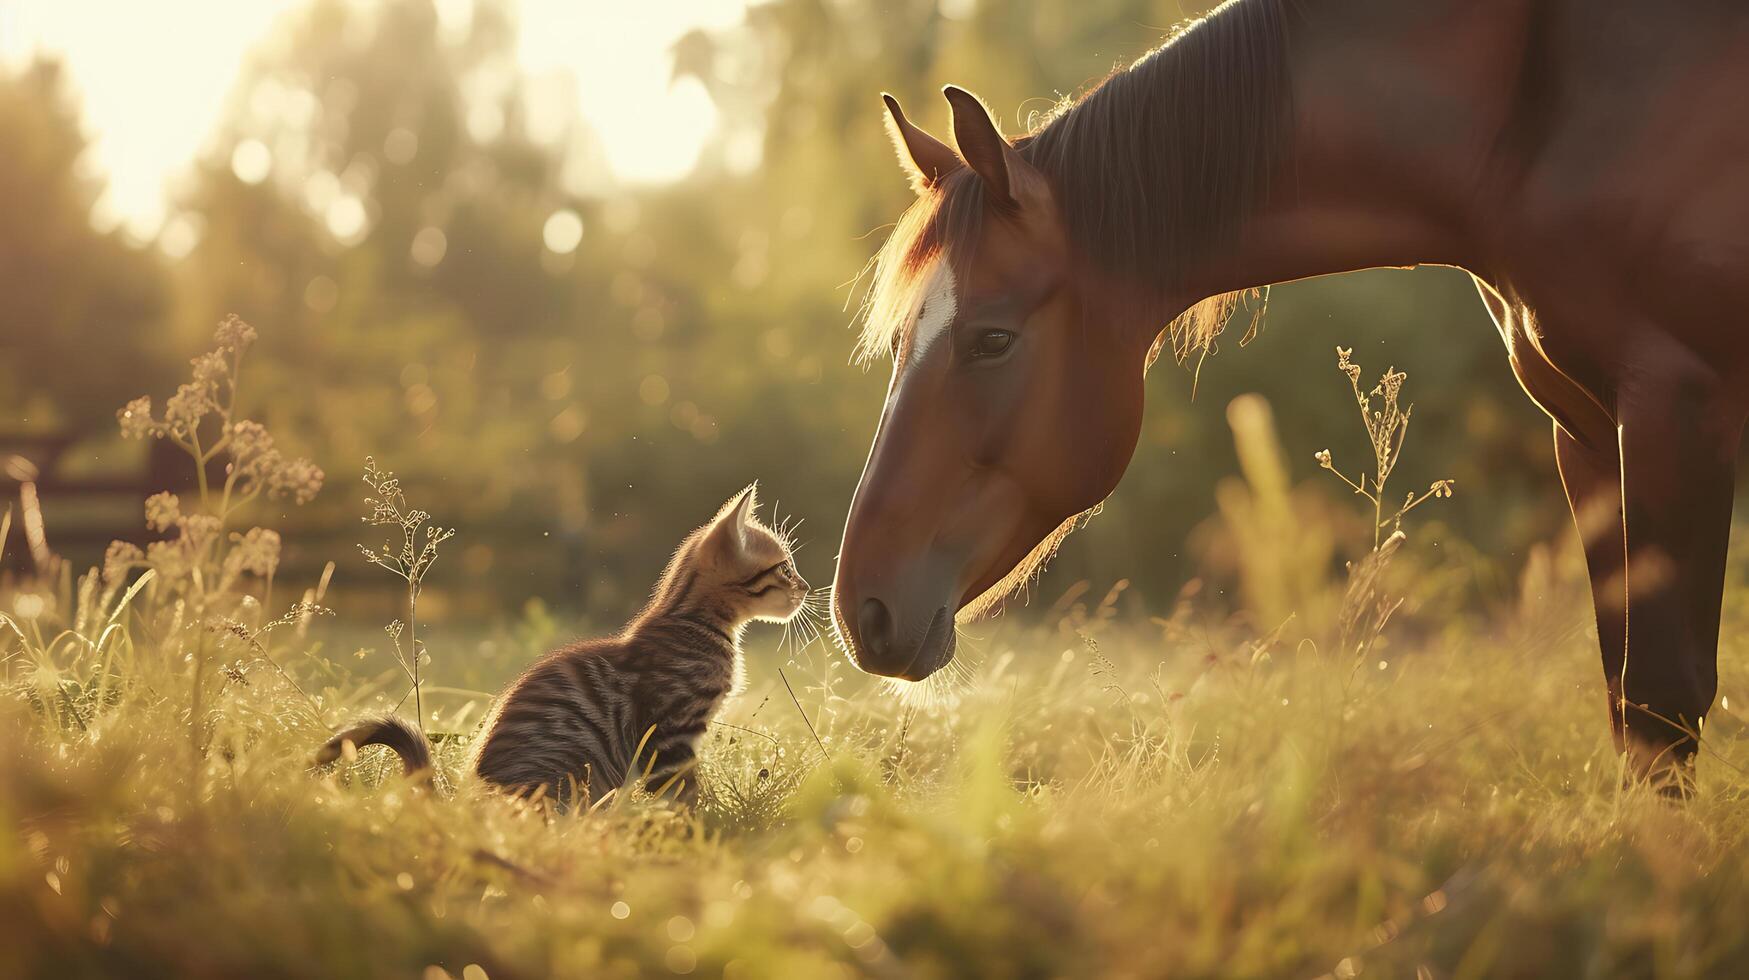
[429,246]
[563,231]
[251,162]
[681,959]
[346,219]
[401,145]
[321,294]
[569,424]
[653,390]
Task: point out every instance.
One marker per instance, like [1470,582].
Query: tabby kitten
[575,723]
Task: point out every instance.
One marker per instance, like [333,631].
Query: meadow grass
[1100,797]
[1326,773]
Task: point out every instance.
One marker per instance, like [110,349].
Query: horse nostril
[874,626]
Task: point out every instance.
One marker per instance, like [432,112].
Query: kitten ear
[729,527]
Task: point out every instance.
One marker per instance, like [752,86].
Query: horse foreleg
[1678,443]
[1591,475]
[1587,451]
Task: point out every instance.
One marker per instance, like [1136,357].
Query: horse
[1583,160]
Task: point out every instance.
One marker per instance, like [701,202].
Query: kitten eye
[990,343]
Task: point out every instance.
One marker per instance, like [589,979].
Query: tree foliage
[82,306]
[578,412]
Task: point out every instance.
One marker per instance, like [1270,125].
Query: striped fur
[588,718]
[402,738]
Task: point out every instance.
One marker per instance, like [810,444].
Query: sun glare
[152,88]
[651,125]
[563,232]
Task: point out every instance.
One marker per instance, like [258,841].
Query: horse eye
[992,342]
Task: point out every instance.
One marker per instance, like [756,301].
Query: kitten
[576,721]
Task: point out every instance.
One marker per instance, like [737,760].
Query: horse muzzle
[893,644]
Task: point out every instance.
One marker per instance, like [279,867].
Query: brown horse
[1587,161]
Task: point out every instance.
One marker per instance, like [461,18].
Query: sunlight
[617,57]
[562,232]
[185,72]
[609,64]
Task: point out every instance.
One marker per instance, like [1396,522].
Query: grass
[1100,798]
[1255,787]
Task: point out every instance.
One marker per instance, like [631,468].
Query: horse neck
[1397,107]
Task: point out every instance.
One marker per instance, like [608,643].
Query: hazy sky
[152,78]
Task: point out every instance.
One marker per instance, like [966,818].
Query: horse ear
[926,159]
[983,147]
[729,527]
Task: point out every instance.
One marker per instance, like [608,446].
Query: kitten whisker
[800,631]
[810,633]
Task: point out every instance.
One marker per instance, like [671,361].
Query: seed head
[136,419]
[121,556]
[234,335]
[163,511]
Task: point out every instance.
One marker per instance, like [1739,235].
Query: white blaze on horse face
[935,311]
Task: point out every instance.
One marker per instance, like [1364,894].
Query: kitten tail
[400,737]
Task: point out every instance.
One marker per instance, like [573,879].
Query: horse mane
[1157,162]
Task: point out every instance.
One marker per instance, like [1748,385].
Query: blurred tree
[378,202]
[575,372]
[82,307]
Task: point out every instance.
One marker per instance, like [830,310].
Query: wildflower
[119,559]
[250,441]
[1386,428]
[256,551]
[199,560]
[389,508]
[136,419]
[163,511]
[1391,384]
[300,478]
[185,409]
[1345,366]
[200,529]
[169,559]
[209,368]
[234,334]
